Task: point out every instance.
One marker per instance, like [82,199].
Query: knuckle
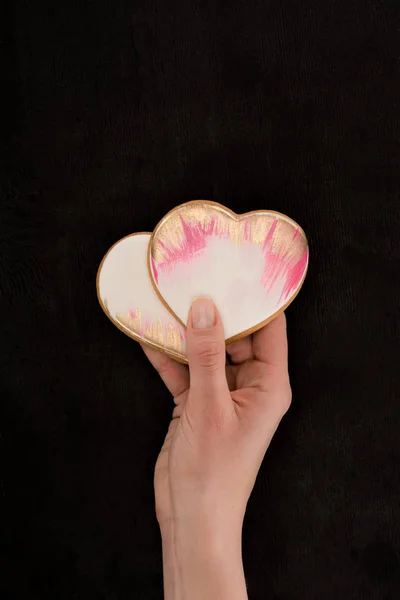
[280,390]
[286,398]
[208,353]
[177,412]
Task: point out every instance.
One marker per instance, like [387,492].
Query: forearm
[201,562]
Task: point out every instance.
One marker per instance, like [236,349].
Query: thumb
[205,346]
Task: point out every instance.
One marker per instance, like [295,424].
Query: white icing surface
[229,274]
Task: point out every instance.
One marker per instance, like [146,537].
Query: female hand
[223,421]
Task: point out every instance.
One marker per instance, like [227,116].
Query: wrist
[202,560]
[202,535]
[205,518]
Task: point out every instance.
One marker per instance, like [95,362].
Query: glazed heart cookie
[126,294]
[251,265]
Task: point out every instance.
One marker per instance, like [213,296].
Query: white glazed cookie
[127,296]
[251,265]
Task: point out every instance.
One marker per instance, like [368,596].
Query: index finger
[270,343]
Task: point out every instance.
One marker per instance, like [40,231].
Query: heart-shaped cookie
[251,265]
[128,298]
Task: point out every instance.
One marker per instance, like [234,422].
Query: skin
[223,421]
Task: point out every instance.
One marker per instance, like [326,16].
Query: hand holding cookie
[223,421]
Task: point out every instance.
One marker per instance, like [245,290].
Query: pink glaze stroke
[277,266]
[195,242]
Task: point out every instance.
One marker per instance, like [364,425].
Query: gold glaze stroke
[248,228]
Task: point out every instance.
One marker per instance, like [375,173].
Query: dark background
[117,111]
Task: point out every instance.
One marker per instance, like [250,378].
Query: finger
[252,374]
[205,346]
[174,374]
[270,344]
[231,372]
[241,350]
